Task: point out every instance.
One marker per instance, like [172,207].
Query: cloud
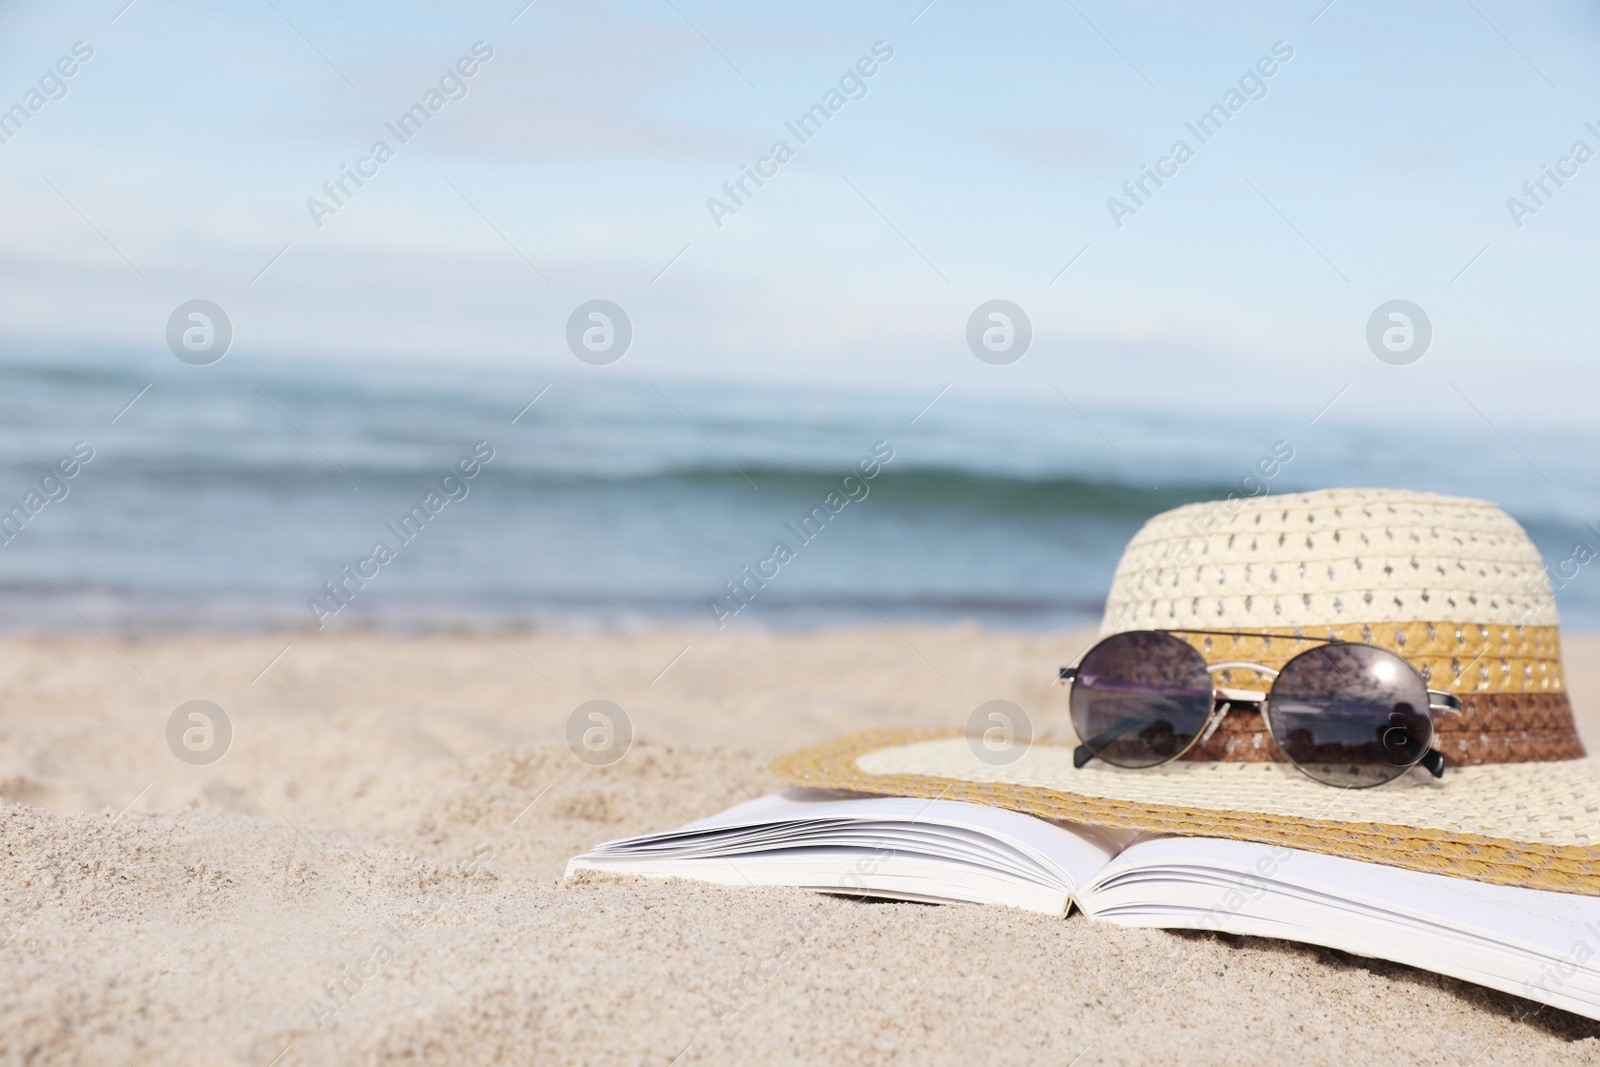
[588,84]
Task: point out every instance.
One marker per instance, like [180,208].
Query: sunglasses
[1346,714]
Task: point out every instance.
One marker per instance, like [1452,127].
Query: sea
[253,495]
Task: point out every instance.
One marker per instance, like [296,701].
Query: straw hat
[1451,584]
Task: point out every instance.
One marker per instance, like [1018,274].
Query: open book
[1537,944]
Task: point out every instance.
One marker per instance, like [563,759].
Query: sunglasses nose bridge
[1228,699]
[1218,712]
[1242,665]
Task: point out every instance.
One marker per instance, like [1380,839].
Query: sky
[977,162]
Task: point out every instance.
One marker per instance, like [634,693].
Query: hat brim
[1535,825]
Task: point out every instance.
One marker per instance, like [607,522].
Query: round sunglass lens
[1141,698]
[1350,715]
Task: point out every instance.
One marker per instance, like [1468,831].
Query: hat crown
[1453,585]
[1331,558]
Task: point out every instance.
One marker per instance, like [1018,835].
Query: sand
[392,816]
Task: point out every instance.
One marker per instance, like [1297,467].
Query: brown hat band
[1492,728]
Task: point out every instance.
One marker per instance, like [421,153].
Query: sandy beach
[391,821]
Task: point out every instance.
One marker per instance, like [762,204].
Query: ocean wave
[903,486]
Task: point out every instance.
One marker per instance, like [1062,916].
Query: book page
[822,839]
[1534,943]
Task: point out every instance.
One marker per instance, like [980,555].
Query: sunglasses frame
[1225,699]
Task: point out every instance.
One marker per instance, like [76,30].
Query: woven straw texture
[1337,556]
[1533,825]
[1457,657]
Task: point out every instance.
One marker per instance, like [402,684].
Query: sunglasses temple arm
[1083,753]
[1444,703]
[1086,751]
